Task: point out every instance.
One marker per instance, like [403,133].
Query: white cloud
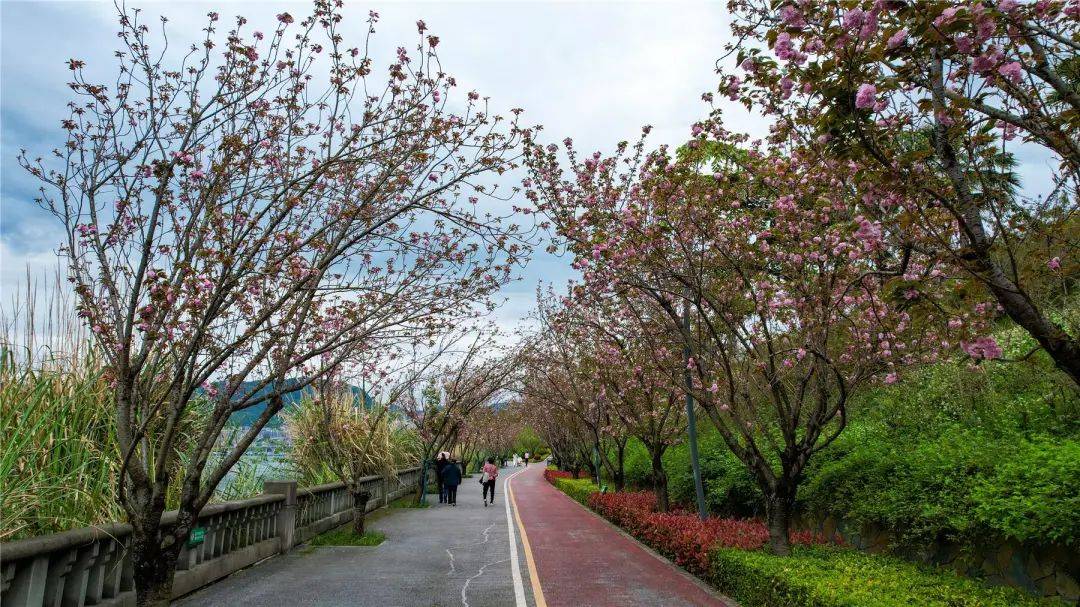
[593,71]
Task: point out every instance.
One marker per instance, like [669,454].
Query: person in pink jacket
[487,479]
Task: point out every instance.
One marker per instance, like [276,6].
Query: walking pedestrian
[487,479]
[526,459]
[451,480]
[440,464]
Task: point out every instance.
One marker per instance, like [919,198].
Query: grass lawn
[408,501]
[346,537]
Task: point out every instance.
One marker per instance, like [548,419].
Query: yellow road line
[538,592]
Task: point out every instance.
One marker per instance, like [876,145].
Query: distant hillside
[247,417]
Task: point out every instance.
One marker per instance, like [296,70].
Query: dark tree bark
[778,508]
[421,487]
[659,478]
[154,551]
[1014,299]
[360,501]
[591,468]
[154,569]
[620,465]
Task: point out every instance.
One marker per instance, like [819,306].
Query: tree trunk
[154,566]
[154,569]
[154,551]
[1063,349]
[620,466]
[360,500]
[659,478]
[421,487]
[778,508]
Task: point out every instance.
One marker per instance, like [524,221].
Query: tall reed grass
[59,457]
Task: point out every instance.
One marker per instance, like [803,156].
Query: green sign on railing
[198,536]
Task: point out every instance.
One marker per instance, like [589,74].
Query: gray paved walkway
[432,557]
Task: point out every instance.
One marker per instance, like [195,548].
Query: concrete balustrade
[91,566]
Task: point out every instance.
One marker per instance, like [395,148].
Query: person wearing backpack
[451,479]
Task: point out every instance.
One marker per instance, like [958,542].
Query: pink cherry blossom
[1013,71]
[897,39]
[866,96]
[1008,6]
[985,348]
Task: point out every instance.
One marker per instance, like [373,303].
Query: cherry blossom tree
[606,364]
[562,431]
[563,372]
[762,270]
[439,409]
[251,216]
[494,428]
[469,438]
[935,103]
[638,363]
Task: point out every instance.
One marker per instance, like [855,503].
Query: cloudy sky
[593,71]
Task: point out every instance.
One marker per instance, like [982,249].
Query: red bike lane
[581,560]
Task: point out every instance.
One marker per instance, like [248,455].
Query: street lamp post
[596,463]
[691,421]
[595,413]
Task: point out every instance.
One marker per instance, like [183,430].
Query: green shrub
[952,452]
[1001,398]
[831,577]
[1035,494]
[730,490]
[919,489]
[578,489]
[636,464]
[963,485]
[949,452]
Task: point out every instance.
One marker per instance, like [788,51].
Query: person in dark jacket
[440,464]
[451,478]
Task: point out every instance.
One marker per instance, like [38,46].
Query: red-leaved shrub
[682,536]
[626,509]
[551,475]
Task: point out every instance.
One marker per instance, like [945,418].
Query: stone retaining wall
[1050,571]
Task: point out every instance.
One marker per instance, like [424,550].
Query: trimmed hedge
[961,484]
[835,577]
[578,489]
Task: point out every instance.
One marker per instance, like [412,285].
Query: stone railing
[90,566]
